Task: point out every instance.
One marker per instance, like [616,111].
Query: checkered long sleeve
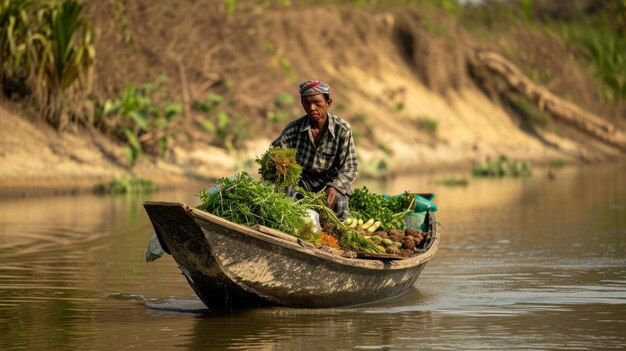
[333,162]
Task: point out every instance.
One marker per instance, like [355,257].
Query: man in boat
[325,147]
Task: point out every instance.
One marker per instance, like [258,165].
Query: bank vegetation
[155,75]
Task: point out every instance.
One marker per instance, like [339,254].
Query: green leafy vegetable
[244,200]
[401,203]
[365,205]
[280,167]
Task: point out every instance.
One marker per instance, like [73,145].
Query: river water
[531,264]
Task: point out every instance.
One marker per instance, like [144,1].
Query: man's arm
[347,166]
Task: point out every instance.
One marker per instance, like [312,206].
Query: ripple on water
[37,238]
[41,262]
[178,305]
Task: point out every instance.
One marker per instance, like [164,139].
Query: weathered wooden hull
[230,265]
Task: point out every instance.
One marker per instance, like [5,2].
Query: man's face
[316,106]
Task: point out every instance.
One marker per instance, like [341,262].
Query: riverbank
[415,98]
[37,160]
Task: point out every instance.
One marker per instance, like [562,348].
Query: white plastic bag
[314,218]
[154,249]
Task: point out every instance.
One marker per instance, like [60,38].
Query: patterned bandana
[313,87]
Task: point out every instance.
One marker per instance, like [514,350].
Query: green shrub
[426,124]
[228,132]
[454,181]
[604,50]
[557,164]
[51,44]
[126,186]
[230,6]
[14,33]
[144,118]
[283,108]
[501,167]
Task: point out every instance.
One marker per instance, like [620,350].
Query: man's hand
[331,193]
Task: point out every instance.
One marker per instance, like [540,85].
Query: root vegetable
[412,232]
[396,235]
[381,234]
[417,241]
[361,231]
[408,243]
[392,250]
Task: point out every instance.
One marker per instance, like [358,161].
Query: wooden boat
[230,265]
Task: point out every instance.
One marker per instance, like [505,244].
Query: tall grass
[14,32]
[597,38]
[61,54]
[605,51]
[50,46]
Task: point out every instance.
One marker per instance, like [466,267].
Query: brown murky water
[523,264]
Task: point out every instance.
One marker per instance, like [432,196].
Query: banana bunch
[370,226]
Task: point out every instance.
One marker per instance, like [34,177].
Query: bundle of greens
[244,200]
[280,167]
[401,203]
[366,205]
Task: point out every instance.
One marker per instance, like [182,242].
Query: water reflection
[523,264]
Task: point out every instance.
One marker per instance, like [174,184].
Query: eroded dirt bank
[408,94]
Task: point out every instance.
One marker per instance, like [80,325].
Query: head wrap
[313,87]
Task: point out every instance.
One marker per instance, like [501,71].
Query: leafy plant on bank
[605,51]
[501,167]
[131,185]
[282,109]
[230,6]
[229,132]
[426,124]
[593,33]
[49,46]
[144,117]
[14,33]
[453,181]
[61,65]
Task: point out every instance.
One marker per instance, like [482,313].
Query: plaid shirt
[332,162]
